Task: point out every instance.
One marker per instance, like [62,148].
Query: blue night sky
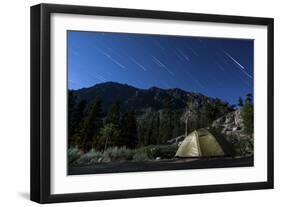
[215,67]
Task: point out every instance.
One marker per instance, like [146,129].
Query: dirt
[160,165]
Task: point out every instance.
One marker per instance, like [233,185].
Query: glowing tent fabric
[200,143]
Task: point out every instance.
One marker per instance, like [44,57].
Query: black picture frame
[40,102]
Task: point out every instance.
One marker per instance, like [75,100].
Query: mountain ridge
[133,98]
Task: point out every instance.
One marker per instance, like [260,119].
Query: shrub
[114,154]
[162,151]
[244,147]
[73,154]
[166,151]
[117,154]
[140,156]
[90,157]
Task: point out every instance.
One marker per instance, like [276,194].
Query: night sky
[215,67]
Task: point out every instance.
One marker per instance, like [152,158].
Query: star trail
[216,67]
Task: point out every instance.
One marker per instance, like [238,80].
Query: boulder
[231,125]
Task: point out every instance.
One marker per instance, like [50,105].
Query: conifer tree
[77,117]
[128,136]
[248,115]
[108,136]
[71,110]
[113,115]
[240,102]
[90,127]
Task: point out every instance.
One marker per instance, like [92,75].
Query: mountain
[161,113]
[132,98]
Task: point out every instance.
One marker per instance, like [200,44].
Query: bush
[166,151]
[73,155]
[117,154]
[162,151]
[114,154]
[109,155]
[90,157]
[140,156]
[243,146]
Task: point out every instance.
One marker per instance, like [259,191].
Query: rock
[229,122]
[232,126]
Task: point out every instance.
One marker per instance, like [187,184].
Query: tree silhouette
[129,135]
[240,102]
[108,135]
[249,98]
[113,115]
[248,115]
[90,127]
[71,111]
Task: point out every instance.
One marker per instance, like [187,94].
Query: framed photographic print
[133,103]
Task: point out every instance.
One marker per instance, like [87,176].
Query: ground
[158,165]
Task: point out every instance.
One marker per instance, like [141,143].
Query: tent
[200,143]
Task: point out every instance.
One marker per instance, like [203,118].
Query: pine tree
[75,121]
[166,124]
[71,100]
[155,128]
[71,110]
[249,98]
[248,115]
[78,115]
[113,115]
[209,114]
[108,136]
[128,136]
[150,129]
[90,127]
[240,102]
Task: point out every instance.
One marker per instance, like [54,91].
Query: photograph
[153,102]
[134,103]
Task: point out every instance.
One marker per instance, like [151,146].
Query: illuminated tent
[200,143]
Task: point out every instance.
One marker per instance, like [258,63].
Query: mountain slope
[132,98]
[161,113]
